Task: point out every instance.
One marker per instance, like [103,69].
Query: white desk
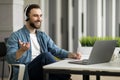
[104,69]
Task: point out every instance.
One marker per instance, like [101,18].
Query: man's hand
[24,46]
[74,55]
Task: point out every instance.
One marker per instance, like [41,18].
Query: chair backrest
[2,49]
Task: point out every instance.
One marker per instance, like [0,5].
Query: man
[34,48]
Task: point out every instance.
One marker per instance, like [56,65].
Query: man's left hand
[74,55]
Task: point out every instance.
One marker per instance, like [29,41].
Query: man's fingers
[20,42]
[24,44]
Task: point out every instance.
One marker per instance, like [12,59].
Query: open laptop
[102,52]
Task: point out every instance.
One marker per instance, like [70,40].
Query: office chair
[3,51]
[21,71]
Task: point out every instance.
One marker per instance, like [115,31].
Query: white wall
[11,17]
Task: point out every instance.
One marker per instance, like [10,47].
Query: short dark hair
[28,9]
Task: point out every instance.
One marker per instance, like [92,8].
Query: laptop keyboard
[84,62]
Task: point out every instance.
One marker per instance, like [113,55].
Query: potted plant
[88,42]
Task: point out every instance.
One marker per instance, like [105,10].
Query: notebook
[102,52]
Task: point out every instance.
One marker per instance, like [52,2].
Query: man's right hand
[23,47]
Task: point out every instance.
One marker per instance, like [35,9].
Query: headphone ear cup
[27,19]
[25,15]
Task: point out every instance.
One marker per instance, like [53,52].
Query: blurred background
[66,21]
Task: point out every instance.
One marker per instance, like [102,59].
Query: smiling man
[34,48]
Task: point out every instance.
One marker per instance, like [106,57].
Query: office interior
[66,21]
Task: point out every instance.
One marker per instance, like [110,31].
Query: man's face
[35,18]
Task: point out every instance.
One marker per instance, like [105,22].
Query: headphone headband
[28,8]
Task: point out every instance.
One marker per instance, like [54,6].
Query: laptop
[102,52]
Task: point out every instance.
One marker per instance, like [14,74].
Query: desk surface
[64,65]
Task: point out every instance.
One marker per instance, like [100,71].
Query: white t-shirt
[35,46]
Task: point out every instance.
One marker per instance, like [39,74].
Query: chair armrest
[21,70]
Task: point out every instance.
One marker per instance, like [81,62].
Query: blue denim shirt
[45,42]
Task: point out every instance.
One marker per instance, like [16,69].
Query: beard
[34,25]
